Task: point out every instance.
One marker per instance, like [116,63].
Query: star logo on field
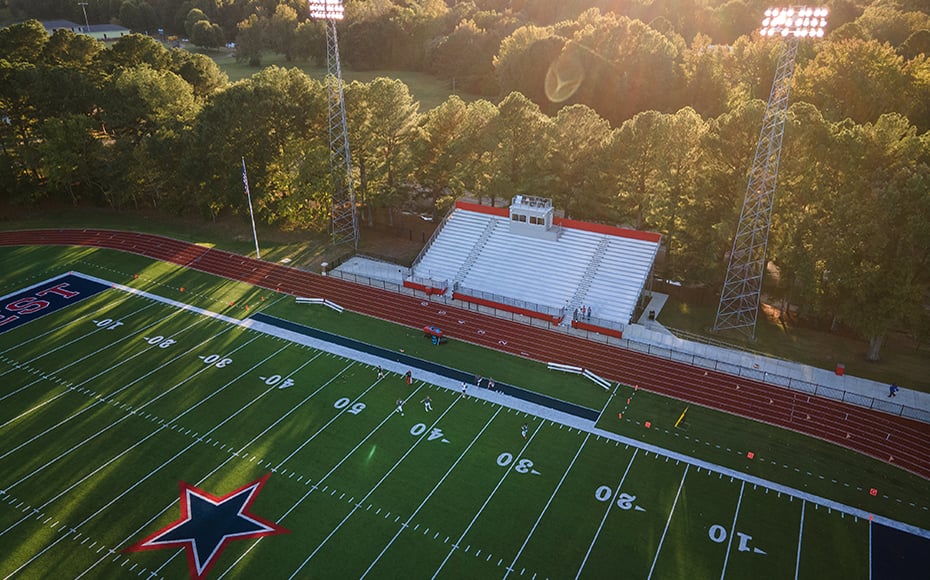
[208,523]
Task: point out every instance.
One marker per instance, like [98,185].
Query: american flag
[245,178]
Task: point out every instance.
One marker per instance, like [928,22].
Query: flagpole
[245,182]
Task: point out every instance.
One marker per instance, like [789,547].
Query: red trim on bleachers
[608,230]
[478,208]
[567,223]
[429,290]
[506,307]
[598,329]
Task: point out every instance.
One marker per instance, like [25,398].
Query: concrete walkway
[827,383]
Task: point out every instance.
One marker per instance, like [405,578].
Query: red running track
[897,440]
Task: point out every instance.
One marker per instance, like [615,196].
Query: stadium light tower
[742,289]
[344,218]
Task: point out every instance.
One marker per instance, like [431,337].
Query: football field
[140,437]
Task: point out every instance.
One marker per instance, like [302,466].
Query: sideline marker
[750,455]
[648,424]
[873,492]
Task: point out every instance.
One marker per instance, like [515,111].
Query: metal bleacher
[477,249]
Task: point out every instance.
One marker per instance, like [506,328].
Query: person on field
[893,390]
[427,404]
[400,407]
[524,429]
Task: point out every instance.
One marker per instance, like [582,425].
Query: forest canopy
[629,113]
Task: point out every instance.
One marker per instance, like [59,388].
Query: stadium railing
[712,357]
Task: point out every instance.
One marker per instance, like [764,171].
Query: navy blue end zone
[413,362]
[44,298]
[899,555]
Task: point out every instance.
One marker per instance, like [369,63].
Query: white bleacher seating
[541,271]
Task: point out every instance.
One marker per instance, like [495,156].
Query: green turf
[99,424]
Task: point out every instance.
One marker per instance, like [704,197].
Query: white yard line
[527,407]
[726,558]
[105,398]
[36,285]
[315,486]
[64,326]
[668,522]
[546,507]
[406,523]
[127,450]
[232,455]
[82,359]
[359,503]
[167,461]
[555,416]
[500,482]
[606,511]
[797,563]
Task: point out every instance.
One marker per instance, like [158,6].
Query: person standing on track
[464,389]
[893,390]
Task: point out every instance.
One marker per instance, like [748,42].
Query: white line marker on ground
[668,522]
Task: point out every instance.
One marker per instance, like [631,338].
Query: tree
[138,15]
[521,133]
[144,112]
[465,56]
[23,42]
[917,44]
[200,71]
[523,61]
[71,157]
[577,160]
[887,23]
[250,41]
[475,150]
[726,154]
[636,149]
[280,31]
[437,150]
[856,79]
[808,178]
[734,19]
[194,16]
[133,50]
[207,35]
[628,67]
[66,48]
[707,86]
[877,246]
[276,120]
[392,118]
